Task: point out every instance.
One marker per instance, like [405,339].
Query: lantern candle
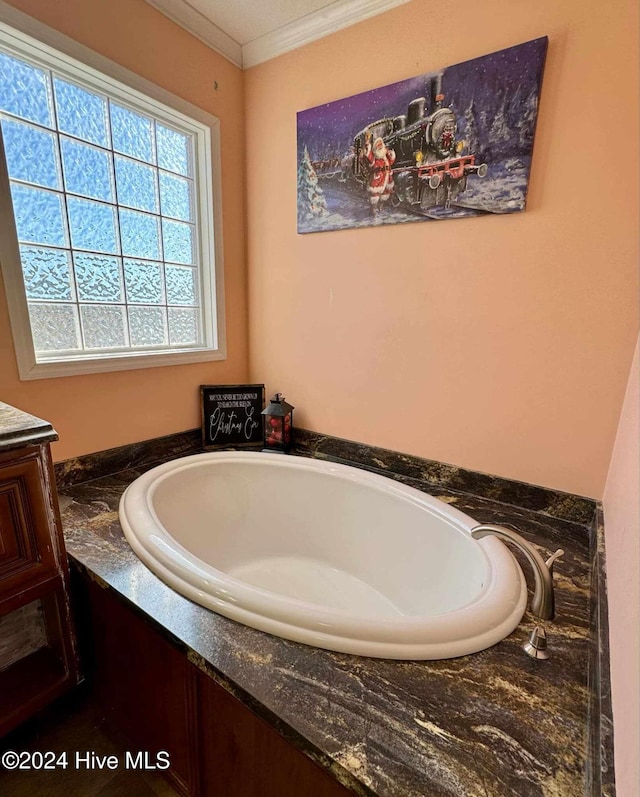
[278,425]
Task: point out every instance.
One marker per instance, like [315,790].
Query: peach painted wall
[99,411]
[622,534]
[500,344]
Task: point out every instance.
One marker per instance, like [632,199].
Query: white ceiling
[246,20]
[248,32]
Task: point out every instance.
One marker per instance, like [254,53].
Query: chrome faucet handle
[536,645]
[542,604]
[552,559]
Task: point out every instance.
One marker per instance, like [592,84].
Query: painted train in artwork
[416,158]
[466,152]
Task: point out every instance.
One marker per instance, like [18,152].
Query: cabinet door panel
[145,685]
[242,756]
[27,554]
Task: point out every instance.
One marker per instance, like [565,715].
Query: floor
[73,725]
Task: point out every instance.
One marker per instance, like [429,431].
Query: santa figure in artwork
[381,159]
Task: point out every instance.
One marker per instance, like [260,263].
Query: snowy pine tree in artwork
[311,199]
[527,122]
[471,128]
[500,134]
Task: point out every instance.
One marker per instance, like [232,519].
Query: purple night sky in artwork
[483,80]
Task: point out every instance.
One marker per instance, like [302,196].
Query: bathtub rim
[502,599]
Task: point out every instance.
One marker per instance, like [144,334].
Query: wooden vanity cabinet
[38,658]
[158,700]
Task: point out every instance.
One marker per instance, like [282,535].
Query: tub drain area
[314,581]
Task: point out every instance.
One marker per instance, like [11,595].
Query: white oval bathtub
[324,554]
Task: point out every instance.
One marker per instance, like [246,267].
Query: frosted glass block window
[88,170]
[175,197]
[133,134]
[103,327]
[144,281]
[174,150]
[137,184]
[81,113]
[140,236]
[93,225]
[148,326]
[110,191]
[181,285]
[55,326]
[25,91]
[183,325]
[98,278]
[31,154]
[40,216]
[178,241]
[47,273]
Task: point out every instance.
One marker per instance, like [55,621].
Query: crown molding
[340,14]
[189,18]
[311,27]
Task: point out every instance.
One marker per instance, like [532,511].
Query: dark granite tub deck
[493,724]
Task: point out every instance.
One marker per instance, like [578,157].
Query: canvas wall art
[448,144]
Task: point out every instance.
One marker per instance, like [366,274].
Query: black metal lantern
[278,425]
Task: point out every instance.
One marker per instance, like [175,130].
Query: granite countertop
[18,428]
[493,724]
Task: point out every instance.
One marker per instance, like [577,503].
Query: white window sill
[96,364]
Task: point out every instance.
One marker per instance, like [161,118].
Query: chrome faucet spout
[542,604]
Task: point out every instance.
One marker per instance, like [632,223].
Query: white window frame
[31,40]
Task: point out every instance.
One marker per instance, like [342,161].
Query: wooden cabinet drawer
[27,552]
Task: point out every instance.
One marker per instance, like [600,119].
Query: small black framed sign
[231,415]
